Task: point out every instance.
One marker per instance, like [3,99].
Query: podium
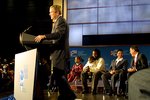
[26,83]
[26,64]
[44,47]
[27,40]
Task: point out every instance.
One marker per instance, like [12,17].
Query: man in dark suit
[59,51]
[117,71]
[138,62]
[139,85]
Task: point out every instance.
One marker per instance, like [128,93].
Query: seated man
[97,68]
[117,71]
[139,61]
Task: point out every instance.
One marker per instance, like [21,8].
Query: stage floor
[80,96]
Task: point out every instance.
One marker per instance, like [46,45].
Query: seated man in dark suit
[138,62]
[117,71]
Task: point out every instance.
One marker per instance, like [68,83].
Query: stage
[80,96]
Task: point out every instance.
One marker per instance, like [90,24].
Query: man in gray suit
[117,71]
[59,51]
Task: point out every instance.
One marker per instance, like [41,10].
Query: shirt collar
[119,59]
[56,19]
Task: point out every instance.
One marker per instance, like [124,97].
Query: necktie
[135,59]
[53,28]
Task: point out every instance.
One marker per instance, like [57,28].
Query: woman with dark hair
[97,70]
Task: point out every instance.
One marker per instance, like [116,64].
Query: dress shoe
[85,92]
[119,95]
[94,92]
[67,97]
[110,94]
[126,96]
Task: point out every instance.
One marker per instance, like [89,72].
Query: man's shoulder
[125,60]
[141,55]
[100,58]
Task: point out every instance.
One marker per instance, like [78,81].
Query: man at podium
[59,51]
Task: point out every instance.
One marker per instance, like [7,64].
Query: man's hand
[112,72]
[39,38]
[132,69]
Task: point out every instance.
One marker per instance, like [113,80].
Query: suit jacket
[120,66]
[141,62]
[60,49]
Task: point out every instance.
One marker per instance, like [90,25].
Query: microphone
[27,29]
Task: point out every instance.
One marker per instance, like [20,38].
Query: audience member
[6,76]
[96,70]
[116,72]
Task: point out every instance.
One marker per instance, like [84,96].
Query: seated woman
[76,70]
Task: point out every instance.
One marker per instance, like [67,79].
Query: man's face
[132,52]
[119,54]
[94,54]
[52,13]
[77,60]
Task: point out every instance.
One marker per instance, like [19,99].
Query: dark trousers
[128,76]
[95,78]
[65,90]
[84,78]
[105,79]
[110,86]
[122,82]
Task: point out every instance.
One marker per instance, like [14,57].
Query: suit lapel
[119,63]
[54,27]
